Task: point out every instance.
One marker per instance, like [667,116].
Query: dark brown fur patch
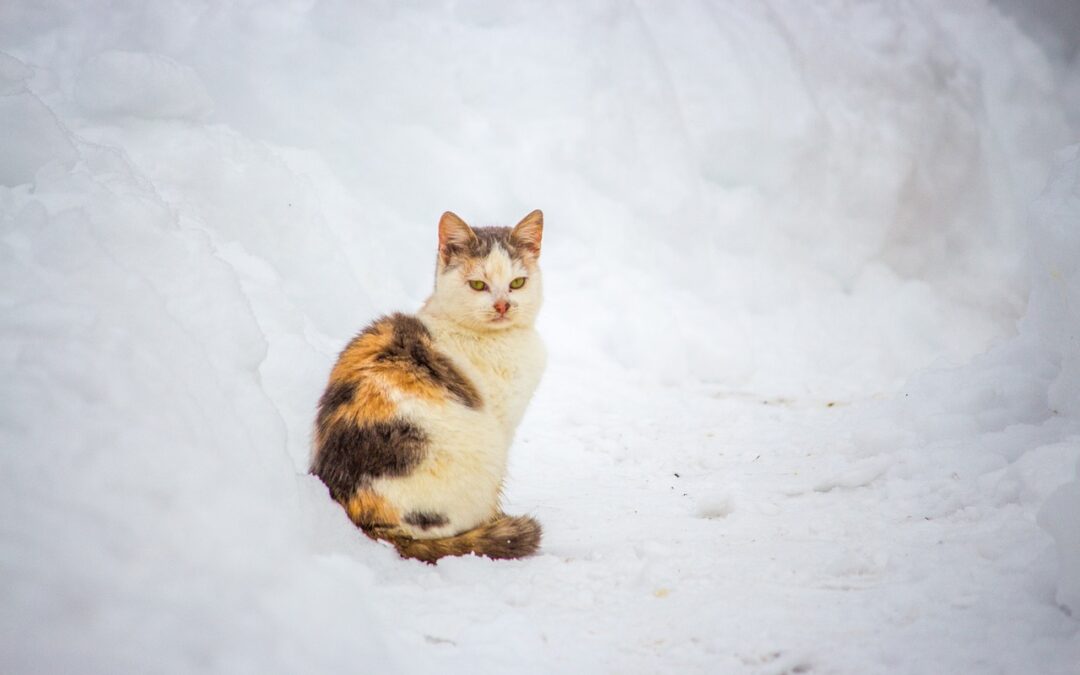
[425,520]
[482,244]
[349,455]
[336,396]
[411,348]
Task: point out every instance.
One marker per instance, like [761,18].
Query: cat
[413,429]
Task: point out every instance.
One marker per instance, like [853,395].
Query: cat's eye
[517,283]
[478,285]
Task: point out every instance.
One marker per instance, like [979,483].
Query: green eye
[478,285]
[517,283]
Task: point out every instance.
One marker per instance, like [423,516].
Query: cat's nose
[501,306]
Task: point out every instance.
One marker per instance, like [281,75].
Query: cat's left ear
[528,232]
[454,236]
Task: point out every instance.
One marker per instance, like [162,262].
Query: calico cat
[413,430]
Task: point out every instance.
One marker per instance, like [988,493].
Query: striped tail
[503,537]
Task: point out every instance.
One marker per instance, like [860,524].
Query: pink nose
[501,306]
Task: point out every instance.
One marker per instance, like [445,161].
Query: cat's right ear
[454,236]
[529,231]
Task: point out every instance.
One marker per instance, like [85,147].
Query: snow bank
[31,134]
[1053,318]
[1054,305]
[983,421]
[1059,517]
[150,86]
[136,436]
[788,210]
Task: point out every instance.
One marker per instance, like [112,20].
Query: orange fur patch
[410,382]
[361,352]
[370,403]
[359,364]
[367,509]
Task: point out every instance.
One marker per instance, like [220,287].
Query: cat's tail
[501,537]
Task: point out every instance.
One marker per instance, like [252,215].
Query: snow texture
[813,314]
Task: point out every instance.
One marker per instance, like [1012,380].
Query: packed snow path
[813,403]
[761,536]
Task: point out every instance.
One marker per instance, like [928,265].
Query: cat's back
[390,361]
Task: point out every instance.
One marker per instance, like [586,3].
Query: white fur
[454,301]
[462,475]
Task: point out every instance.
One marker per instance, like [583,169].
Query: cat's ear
[454,236]
[529,231]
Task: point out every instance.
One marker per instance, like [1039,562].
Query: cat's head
[488,278]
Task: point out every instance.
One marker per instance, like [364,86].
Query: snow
[1058,517]
[151,86]
[813,401]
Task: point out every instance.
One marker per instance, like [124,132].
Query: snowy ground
[813,294]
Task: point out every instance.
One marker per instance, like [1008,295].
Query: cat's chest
[505,368]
